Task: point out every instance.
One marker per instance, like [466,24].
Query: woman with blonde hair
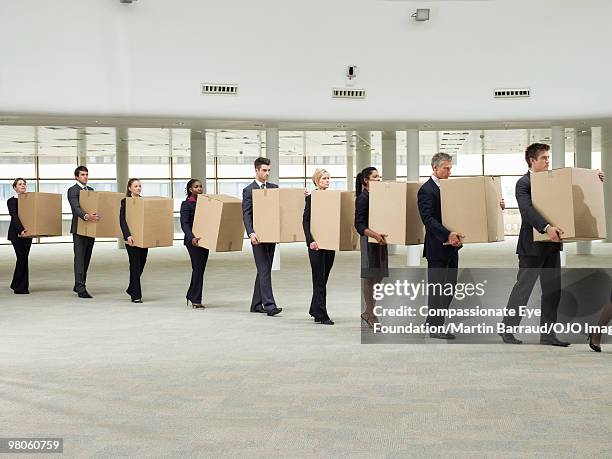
[137,256]
[321,260]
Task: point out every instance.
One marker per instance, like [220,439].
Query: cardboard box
[106,204]
[394,211]
[218,223]
[277,214]
[40,213]
[332,217]
[470,206]
[571,199]
[150,221]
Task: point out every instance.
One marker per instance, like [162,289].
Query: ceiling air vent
[339,93]
[511,93]
[219,88]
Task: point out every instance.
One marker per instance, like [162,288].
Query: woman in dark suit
[321,260]
[136,255]
[18,236]
[198,255]
[374,255]
[604,319]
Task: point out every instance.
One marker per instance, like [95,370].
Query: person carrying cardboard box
[263,252]
[18,236]
[83,245]
[441,247]
[536,259]
[137,256]
[198,255]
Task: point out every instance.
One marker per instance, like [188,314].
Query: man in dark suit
[263,252]
[536,259]
[83,245]
[441,246]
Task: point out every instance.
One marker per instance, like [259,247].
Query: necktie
[263,186]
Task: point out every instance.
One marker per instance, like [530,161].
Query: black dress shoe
[509,338]
[273,312]
[74,290]
[259,309]
[442,335]
[327,322]
[552,340]
[318,320]
[21,292]
[84,294]
[137,300]
[595,347]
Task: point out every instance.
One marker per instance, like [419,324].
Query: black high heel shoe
[595,347]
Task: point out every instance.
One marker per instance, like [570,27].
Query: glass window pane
[17,152]
[57,151]
[236,152]
[508,190]
[149,151]
[233,187]
[326,150]
[101,149]
[291,150]
[505,164]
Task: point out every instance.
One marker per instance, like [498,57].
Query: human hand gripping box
[106,204]
[471,207]
[40,213]
[332,215]
[218,223]
[277,214]
[150,221]
[571,199]
[394,211]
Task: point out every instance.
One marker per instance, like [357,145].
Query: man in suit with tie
[83,245]
[263,252]
[536,259]
[441,246]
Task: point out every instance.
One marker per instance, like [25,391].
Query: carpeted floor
[161,380]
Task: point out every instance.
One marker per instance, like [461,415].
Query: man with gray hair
[441,246]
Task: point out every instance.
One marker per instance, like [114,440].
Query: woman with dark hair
[198,255]
[18,236]
[321,260]
[136,255]
[604,319]
[374,255]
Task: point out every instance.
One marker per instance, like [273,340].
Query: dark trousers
[199,257]
[21,283]
[321,262]
[441,273]
[548,269]
[262,291]
[83,246]
[138,258]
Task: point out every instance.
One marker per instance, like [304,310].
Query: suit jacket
[15,227]
[430,208]
[187,216]
[74,193]
[306,220]
[530,219]
[125,229]
[247,204]
[362,212]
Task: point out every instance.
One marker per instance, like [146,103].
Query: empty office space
[368,228]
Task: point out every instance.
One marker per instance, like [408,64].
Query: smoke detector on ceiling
[127,1]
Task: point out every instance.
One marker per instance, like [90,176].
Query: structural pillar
[122,165]
[558,161]
[606,167]
[363,150]
[350,164]
[413,252]
[82,146]
[389,166]
[273,156]
[198,156]
[583,160]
